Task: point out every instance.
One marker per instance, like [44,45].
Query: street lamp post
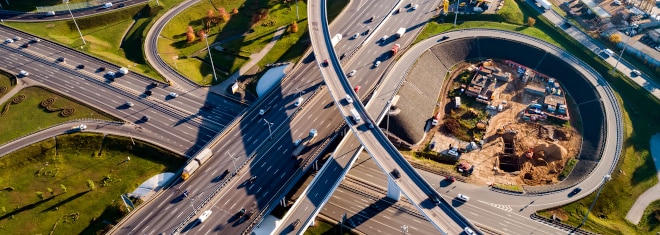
[299,92]
[622,51]
[74,21]
[456,12]
[206,39]
[233,160]
[605,179]
[270,136]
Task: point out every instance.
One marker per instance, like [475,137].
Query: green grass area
[511,13]
[104,36]
[324,228]
[635,171]
[570,164]
[70,161]
[231,35]
[7,81]
[509,187]
[28,116]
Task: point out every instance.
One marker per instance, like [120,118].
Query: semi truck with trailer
[395,49]
[400,32]
[200,158]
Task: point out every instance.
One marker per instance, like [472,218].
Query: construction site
[525,134]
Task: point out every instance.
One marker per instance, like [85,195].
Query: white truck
[400,32]
[336,39]
[356,116]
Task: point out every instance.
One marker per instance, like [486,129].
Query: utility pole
[74,21]
[233,160]
[605,179]
[622,51]
[206,39]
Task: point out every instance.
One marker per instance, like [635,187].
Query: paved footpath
[21,83]
[652,194]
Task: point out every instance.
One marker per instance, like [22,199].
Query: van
[107,5]
[457,102]
[500,107]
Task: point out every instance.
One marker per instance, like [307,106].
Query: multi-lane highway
[64,14]
[440,213]
[180,123]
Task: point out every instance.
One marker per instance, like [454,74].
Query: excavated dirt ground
[552,145]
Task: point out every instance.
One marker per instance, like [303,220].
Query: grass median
[7,82]
[635,172]
[29,116]
[46,186]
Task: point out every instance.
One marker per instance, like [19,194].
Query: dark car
[26,45]
[575,191]
[434,199]
[241,212]
[450,178]
[444,38]
[325,63]
[121,5]
[61,59]
[101,69]
[296,223]
[342,56]
[145,118]
[81,66]
[396,174]
[148,92]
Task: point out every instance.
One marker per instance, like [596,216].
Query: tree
[210,18]
[294,27]
[50,190]
[234,11]
[90,185]
[40,195]
[223,15]
[615,38]
[190,35]
[201,34]
[531,21]
[63,188]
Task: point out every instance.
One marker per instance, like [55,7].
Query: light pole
[299,92]
[270,136]
[622,51]
[605,179]
[206,39]
[297,16]
[389,108]
[456,12]
[74,21]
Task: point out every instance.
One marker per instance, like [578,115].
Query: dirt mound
[550,152]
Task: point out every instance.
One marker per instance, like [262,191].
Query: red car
[450,178]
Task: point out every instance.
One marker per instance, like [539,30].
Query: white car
[174,94]
[384,38]
[352,73]
[636,72]
[111,74]
[81,127]
[355,36]
[298,101]
[377,63]
[415,7]
[129,104]
[468,231]
[349,99]
[205,216]
[297,142]
[17,38]
[463,197]
[23,73]
[9,40]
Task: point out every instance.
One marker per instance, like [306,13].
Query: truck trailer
[200,158]
[400,32]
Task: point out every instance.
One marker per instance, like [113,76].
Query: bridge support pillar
[393,191]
